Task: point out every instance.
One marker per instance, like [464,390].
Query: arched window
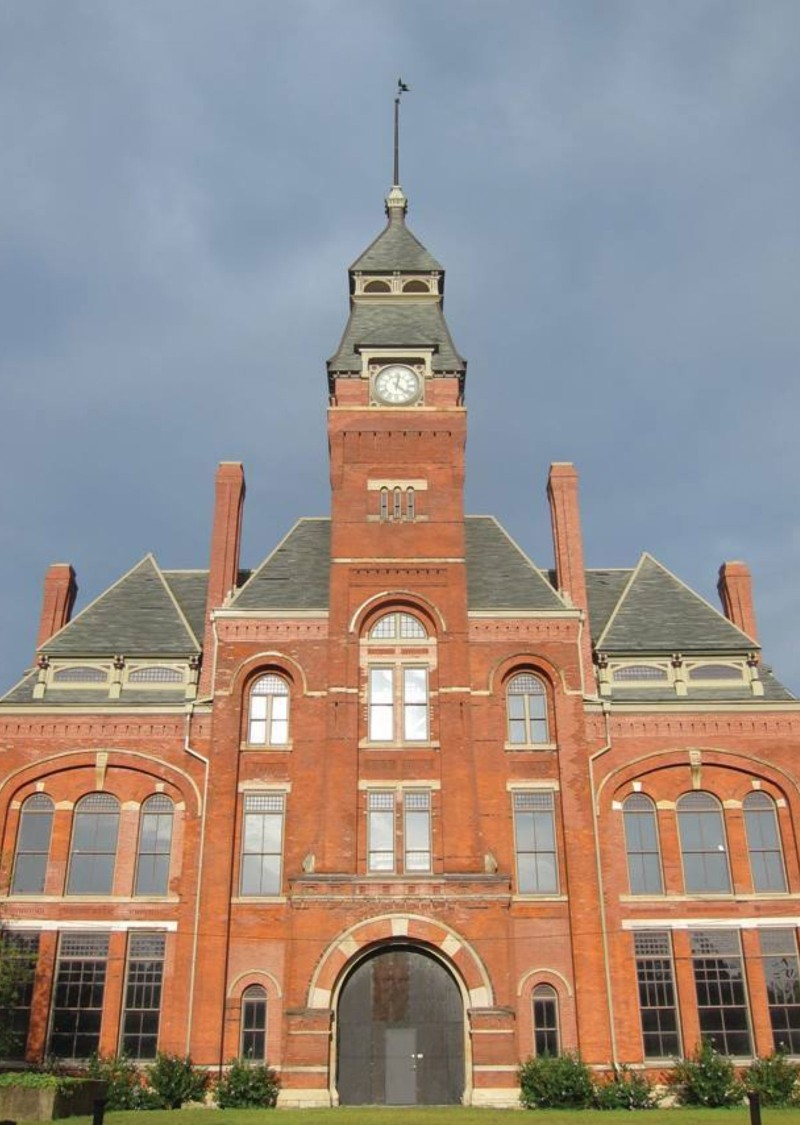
[33,846]
[545,1021]
[764,843]
[702,835]
[155,846]
[411,504]
[641,840]
[253,1045]
[397,683]
[398,627]
[416,286]
[384,499]
[377,287]
[527,711]
[269,712]
[94,845]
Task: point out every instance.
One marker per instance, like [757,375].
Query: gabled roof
[295,575]
[499,574]
[657,613]
[137,616]
[190,588]
[395,248]
[604,588]
[403,325]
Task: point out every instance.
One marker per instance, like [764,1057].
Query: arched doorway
[400,1031]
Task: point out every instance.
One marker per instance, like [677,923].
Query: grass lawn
[450,1115]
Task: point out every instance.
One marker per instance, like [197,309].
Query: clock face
[397,384]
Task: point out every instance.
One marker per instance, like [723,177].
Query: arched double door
[400,1031]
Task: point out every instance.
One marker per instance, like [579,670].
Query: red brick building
[398,808]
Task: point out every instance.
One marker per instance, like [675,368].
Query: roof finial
[396,202]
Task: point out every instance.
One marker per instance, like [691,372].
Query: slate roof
[130,697]
[189,588]
[720,693]
[499,574]
[137,616]
[657,613]
[405,325]
[603,589]
[295,575]
[396,248]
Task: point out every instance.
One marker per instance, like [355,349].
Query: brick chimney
[58,599]
[735,588]
[565,516]
[223,565]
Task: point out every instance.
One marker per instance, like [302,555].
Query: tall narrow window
[78,995]
[764,843]
[658,1007]
[535,842]
[380,831]
[384,503]
[545,1021]
[253,1045]
[143,986]
[641,839]
[33,846]
[417,830]
[21,950]
[397,503]
[702,835]
[94,845]
[269,712]
[155,846]
[527,711]
[262,843]
[411,504]
[721,993]
[395,692]
[782,973]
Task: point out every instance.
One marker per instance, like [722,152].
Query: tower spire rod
[402,88]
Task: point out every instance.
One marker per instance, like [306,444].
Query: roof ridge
[599,642]
[700,597]
[176,604]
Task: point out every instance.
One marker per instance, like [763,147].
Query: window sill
[365,744]
[531,898]
[526,747]
[257,900]
[67,898]
[264,747]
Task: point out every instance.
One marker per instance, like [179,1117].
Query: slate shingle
[404,325]
[396,248]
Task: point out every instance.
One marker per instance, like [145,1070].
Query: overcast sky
[613,188]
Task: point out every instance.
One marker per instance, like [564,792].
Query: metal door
[401,1066]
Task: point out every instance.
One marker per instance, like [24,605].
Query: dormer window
[377,287]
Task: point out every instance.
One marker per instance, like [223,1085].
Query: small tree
[175,1080]
[561,1081]
[773,1078]
[17,965]
[244,1085]
[707,1078]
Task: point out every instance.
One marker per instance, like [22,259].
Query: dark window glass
[721,993]
[764,843]
[702,835]
[94,845]
[535,842]
[641,838]
[78,996]
[33,846]
[527,711]
[155,845]
[143,986]
[262,844]
[545,1021]
[19,950]
[782,973]
[254,1024]
[658,1009]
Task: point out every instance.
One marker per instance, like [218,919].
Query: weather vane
[401,89]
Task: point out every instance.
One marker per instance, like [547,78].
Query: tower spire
[396,202]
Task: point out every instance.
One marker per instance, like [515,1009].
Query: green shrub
[626,1090]
[36,1080]
[174,1080]
[562,1081]
[126,1083]
[774,1078]
[707,1078]
[245,1085]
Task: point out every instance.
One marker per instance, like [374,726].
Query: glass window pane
[416,685]
[415,723]
[381,685]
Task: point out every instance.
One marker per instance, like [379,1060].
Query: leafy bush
[245,1085]
[126,1083]
[562,1081]
[174,1080]
[707,1078]
[36,1080]
[626,1090]
[774,1078]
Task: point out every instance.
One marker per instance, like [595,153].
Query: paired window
[253,1042]
[262,844]
[658,1007]
[526,698]
[268,721]
[546,1039]
[144,981]
[721,993]
[382,809]
[33,846]
[535,843]
[78,996]
[398,697]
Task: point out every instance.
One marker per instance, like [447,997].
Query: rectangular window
[19,951]
[381,704]
[144,979]
[721,993]
[262,843]
[417,830]
[380,831]
[658,1009]
[782,973]
[415,704]
[535,843]
[78,995]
